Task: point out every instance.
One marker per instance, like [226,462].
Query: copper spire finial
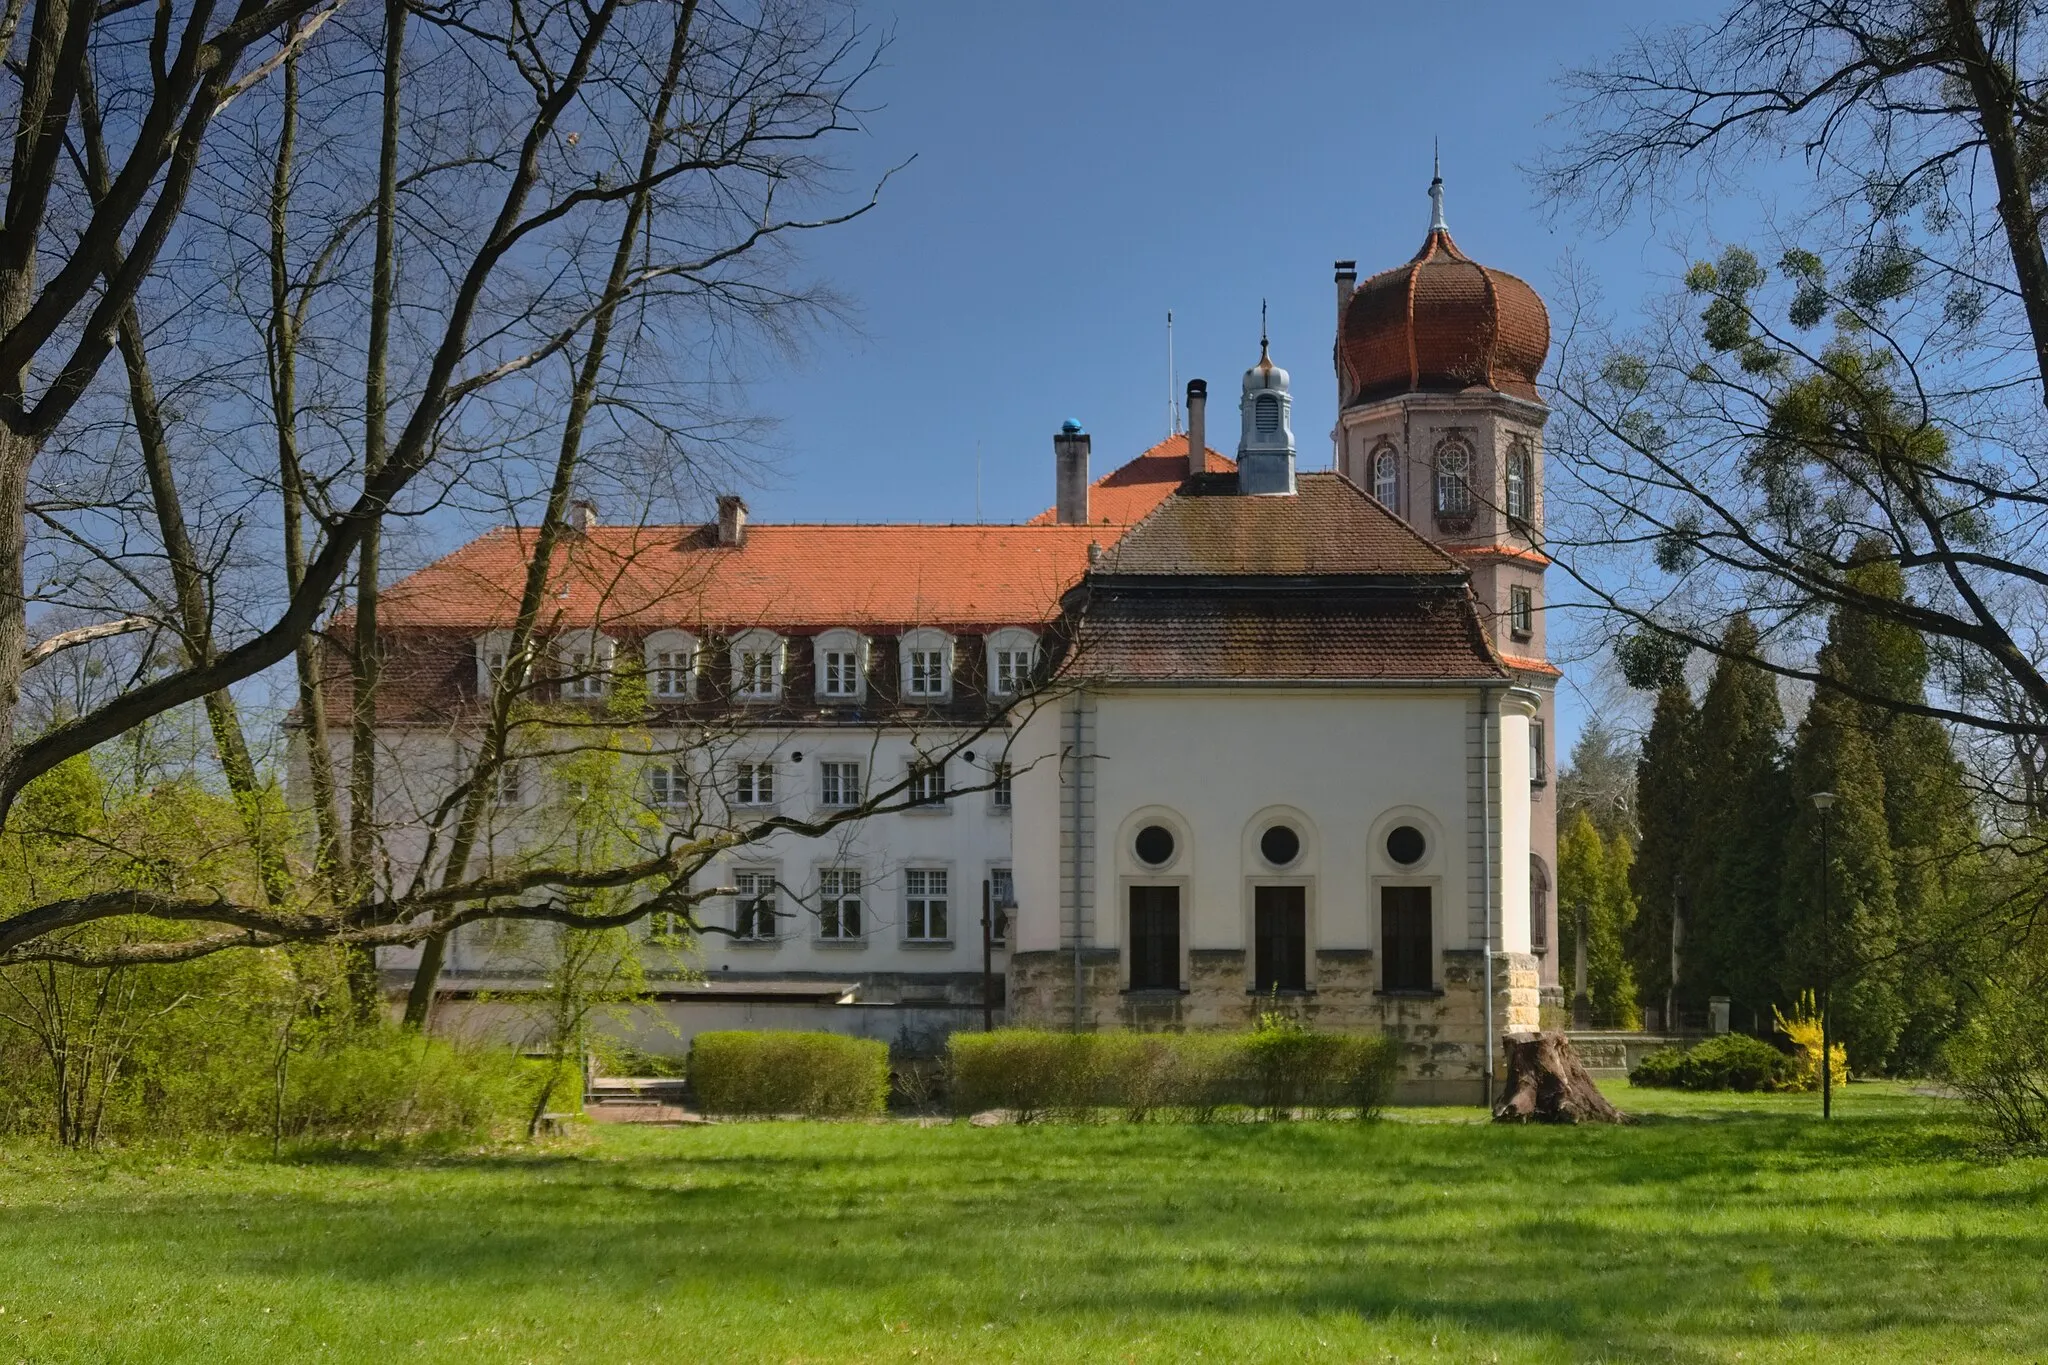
[1436,190]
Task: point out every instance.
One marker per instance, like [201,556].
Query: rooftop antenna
[977,480]
[1172,382]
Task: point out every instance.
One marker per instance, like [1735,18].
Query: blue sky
[1082,168]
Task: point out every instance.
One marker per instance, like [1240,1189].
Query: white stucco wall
[1217,765]
[967,836]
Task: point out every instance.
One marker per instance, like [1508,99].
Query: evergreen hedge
[1038,1075]
[1734,1061]
[815,1075]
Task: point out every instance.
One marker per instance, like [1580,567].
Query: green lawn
[1720,1229]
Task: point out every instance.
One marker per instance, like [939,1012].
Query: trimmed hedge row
[816,1075]
[1039,1075]
[1734,1061]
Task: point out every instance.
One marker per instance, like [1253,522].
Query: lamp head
[1823,802]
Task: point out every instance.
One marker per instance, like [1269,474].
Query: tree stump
[1548,1084]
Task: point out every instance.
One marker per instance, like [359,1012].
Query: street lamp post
[1824,802]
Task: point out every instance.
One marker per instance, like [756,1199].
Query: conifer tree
[1607,964]
[1732,871]
[1593,892]
[1911,971]
[1667,777]
[1855,949]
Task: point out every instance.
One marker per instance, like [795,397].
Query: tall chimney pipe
[1347,285]
[1070,474]
[1198,426]
[732,520]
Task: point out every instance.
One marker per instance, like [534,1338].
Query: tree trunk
[1547,1084]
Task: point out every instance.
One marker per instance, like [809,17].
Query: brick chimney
[1347,285]
[1198,426]
[1070,474]
[732,520]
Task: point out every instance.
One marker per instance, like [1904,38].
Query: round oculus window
[1405,845]
[1154,845]
[1280,845]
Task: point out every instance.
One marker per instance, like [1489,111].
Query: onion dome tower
[1440,419]
[1265,450]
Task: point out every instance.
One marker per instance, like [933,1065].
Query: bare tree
[358,314]
[1867,385]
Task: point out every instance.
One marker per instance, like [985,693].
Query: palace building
[1217,732]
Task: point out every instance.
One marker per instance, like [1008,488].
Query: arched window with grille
[1386,476]
[1454,478]
[1521,481]
[1539,905]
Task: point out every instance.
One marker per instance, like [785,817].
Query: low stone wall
[1611,1056]
[1442,1035]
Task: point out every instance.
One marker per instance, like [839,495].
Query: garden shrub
[1033,1073]
[1998,1062]
[1039,1075]
[1733,1061]
[816,1075]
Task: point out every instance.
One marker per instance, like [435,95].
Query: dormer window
[1012,655]
[840,661]
[585,665]
[493,657]
[757,666]
[671,665]
[927,665]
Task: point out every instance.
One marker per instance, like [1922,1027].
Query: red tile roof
[648,577]
[1371,637]
[1123,496]
[1329,527]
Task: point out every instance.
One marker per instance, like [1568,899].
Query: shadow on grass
[1671,1241]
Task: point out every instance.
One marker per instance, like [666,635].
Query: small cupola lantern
[1265,452]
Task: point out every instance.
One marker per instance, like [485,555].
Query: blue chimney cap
[1071,427]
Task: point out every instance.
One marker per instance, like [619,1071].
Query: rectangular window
[494,671]
[927,672]
[1013,671]
[1280,938]
[585,674]
[1407,948]
[757,673]
[668,786]
[839,784]
[1539,766]
[753,905]
[1155,938]
[1521,612]
[924,905]
[927,784]
[1002,899]
[508,784]
[999,795]
[842,673]
[839,904]
[754,785]
[666,929]
[668,673]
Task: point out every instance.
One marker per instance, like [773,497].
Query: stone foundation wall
[1442,1036]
